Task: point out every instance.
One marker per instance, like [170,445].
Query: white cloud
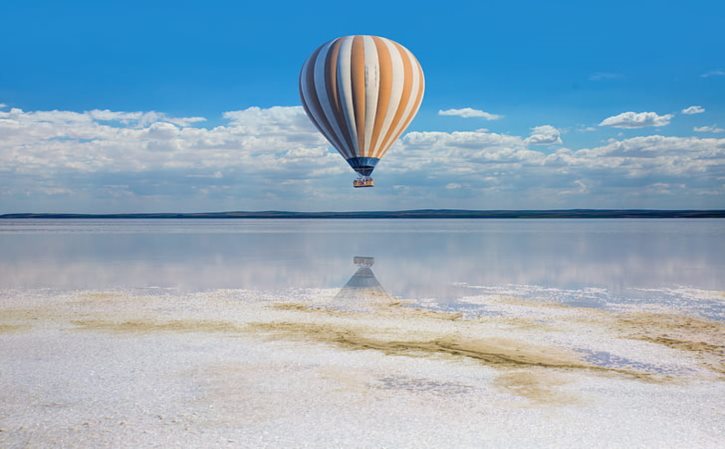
[709,129]
[464,152]
[458,152]
[711,73]
[3,106]
[544,135]
[140,118]
[603,76]
[469,113]
[636,120]
[136,142]
[663,188]
[580,188]
[273,157]
[694,109]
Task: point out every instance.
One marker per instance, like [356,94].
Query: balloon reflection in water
[363,289]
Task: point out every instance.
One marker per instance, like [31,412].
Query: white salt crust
[63,385]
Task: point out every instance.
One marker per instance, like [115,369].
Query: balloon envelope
[361,92]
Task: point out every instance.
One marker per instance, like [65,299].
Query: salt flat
[311,368]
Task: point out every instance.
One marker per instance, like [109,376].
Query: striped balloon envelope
[361,92]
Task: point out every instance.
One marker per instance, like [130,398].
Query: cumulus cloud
[102,139]
[636,120]
[458,152]
[691,110]
[262,158]
[711,73]
[147,153]
[709,129]
[502,167]
[544,135]
[646,155]
[469,113]
[140,119]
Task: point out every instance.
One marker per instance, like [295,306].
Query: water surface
[589,262]
[373,333]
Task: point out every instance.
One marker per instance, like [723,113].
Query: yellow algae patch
[494,352]
[704,338]
[320,310]
[48,312]
[397,309]
[535,385]
[294,306]
[100,296]
[8,328]
[394,308]
[155,326]
[527,369]
[666,322]
[686,345]
[26,314]
[523,323]
[498,352]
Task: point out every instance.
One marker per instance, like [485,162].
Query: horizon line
[400,214]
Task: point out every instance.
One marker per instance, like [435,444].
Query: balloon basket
[365,181]
[363,261]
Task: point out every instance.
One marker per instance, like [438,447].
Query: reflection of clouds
[705,302]
[419,279]
[136,274]
[414,259]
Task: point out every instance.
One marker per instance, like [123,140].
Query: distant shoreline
[404,214]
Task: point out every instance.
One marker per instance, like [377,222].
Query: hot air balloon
[361,92]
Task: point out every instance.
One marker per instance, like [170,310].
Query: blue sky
[554,72]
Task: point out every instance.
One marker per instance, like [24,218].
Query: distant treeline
[421,213]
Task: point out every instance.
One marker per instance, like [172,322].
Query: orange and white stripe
[361,92]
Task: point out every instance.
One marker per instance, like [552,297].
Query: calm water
[590,262]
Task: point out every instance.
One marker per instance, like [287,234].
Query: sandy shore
[234,368]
